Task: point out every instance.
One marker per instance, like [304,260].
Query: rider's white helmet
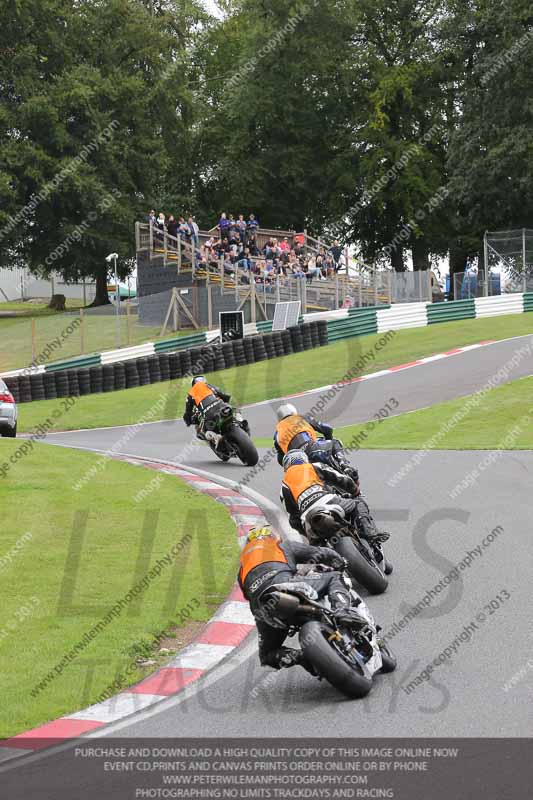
[286,410]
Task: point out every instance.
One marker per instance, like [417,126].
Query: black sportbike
[366,560]
[348,656]
[227,433]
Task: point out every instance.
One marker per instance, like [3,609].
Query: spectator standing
[183,229]
[336,252]
[252,224]
[172,226]
[194,231]
[223,225]
[241,227]
[161,227]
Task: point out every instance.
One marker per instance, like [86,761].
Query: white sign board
[286,315]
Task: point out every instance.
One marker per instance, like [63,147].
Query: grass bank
[501,419]
[67,557]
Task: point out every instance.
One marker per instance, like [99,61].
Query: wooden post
[82,332]
[360,286]
[221,266]
[179,254]
[175,313]
[33,341]
[336,291]
[209,307]
[252,301]
[128,321]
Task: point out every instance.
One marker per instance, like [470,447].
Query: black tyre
[388,658]
[343,672]
[368,575]
[10,433]
[243,444]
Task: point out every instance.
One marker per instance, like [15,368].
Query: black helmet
[198,379]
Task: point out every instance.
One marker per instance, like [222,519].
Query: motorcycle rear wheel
[344,674]
[244,446]
[367,574]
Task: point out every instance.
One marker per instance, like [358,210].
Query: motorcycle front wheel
[244,446]
[366,572]
[345,673]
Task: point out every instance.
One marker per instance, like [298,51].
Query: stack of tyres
[197,364]
[132,373]
[97,379]
[49,381]
[313,326]
[174,364]
[269,345]
[108,378]
[287,342]
[144,371]
[153,368]
[296,338]
[37,386]
[306,337]
[13,386]
[238,350]
[73,385]
[219,357]
[229,356]
[164,366]
[119,375]
[278,343]
[84,381]
[322,326]
[260,352]
[24,389]
[186,362]
[207,359]
[62,383]
[248,350]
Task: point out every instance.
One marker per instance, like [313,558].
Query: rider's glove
[340,564]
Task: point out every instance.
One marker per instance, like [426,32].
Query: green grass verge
[99,333]
[274,378]
[31,309]
[503,419]
[66,574]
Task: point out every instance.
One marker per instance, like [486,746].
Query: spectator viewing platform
[242,259]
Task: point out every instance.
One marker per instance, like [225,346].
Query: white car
[8,412]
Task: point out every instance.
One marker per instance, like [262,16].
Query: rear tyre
[343,673]
[367,574]
[10,433]
[388,659]
[243,444]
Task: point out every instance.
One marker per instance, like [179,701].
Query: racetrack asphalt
[431,533]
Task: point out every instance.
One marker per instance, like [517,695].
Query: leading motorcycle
[227,433]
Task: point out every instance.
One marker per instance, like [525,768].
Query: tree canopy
[403,127]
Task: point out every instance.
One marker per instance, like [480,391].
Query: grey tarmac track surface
[431,533]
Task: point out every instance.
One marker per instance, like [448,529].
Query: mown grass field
[97,333]
[276,377]
[67,557]
[503,419]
